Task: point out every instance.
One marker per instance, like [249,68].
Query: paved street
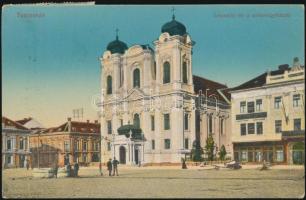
[159,182]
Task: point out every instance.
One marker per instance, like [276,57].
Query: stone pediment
[135,94]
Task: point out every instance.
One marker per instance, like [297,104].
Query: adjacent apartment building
[70,142]
[268,117]
[153,90]
[15,144]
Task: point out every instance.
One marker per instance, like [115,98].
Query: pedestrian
[28,164]
[100,168]
[68,168]
[115,166]
[55,170]
[109,167]
[76,169]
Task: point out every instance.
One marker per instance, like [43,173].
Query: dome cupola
[117,46]
[174,27]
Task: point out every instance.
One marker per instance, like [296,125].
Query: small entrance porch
[128,145]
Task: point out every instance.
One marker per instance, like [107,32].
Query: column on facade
[158,138]
[177,131]
[116,77]
[192,125]
[190,80]
[175,67]
[147,73]
[158,69]
[146,128]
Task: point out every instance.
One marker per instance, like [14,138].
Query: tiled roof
[259,80]
[201,83]
[80,127]
[23,121]
[9,122]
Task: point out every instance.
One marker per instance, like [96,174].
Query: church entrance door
[136,156]
[122,155]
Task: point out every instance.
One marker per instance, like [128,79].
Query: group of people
[72,171]
[112,166]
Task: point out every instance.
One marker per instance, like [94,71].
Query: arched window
[109,85]
[136,78]
[136,120]
[185,79]
[166,78]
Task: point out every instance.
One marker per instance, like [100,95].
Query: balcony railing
[251,115]
[293,133]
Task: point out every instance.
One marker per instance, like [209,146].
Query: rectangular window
[244,156]
[153,144]
[243,129]
[258,104]
[152,123]
[9,159]
[66,146]
[296,100]
[251,107]
[259,127]
[251,128]
[84,146]
[279,154]
[186,122]
[277,102]
[242,106]
[9,144]
[297,124]
[210,124]
[108,146]
[278,126]
[21,143]
[109,127]
[167,143]
[222,126]
[166,121]
[186,143]
[76,145]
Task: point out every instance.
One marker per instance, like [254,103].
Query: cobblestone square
[150,182]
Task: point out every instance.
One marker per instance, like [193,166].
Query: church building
[153,109]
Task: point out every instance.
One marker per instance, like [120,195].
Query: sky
[50,54]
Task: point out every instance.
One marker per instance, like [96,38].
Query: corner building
[152,90]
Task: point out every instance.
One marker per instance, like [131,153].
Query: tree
[209,148]
[197,151]
[222,152]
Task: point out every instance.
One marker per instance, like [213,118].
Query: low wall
[48,172]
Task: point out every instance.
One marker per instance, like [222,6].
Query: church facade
[153,97]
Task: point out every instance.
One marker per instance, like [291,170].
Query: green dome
[174,28]
[116,46]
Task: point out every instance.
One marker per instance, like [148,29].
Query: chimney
[87,121]
[96,121]
[69,124]
[283,67]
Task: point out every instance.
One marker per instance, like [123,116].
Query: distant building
[31,123]
[68,143]
[15,144]
[268,117]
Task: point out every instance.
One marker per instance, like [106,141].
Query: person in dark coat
[109,167]
[55,170]
[68,170]
[76,169]
[115,166]
[100,169]
[28,164]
